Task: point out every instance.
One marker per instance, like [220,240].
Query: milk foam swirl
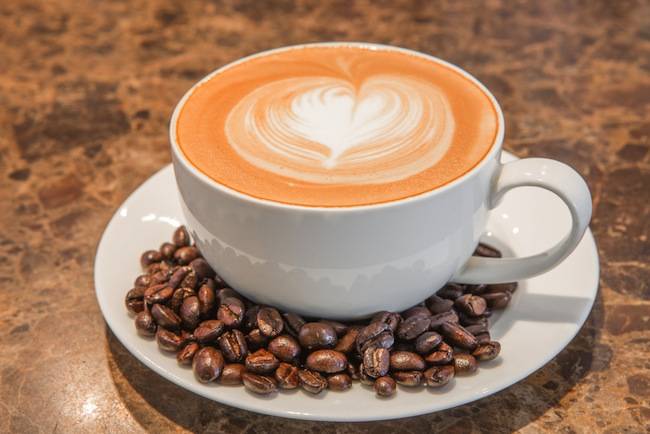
[326,130]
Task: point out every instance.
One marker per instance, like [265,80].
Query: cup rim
[495,147]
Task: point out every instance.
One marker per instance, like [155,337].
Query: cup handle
[551,175]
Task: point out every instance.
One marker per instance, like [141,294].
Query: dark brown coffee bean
[285,348]
[287,376]
[457,335]
[161,277]
[450,291]
[293,323]
[487,251]
[231,311]
[232,373]
[475,329]
[202,269]
[142,282]
[187,337]
[250,318]
[168,341]
[181,237]
[160,267]
[315,335]
[497,300]
[438,376]
[347,343]
[404,346]
[261,362]
[224,293]
[369,332]
[165,317]
[406,361]
[312,381]
[259,384]
[438,305]
[483,338]
[338,327]
[145,324]
[443,355]
[364,378]
[385,386]
[476,289]
[207,301]
[150,257]
[186,355]
[158,294]
[487,351]
[465,364]
[408,378]
[353,369]
[269,321]
[376,362]
[255,340]
[472,305]
[327,361]
[416,311]
[167,250]
[209,331]
[439,319]
[383,340]
[339,382]
[391,318]
[413,327]
[185,255]
[178,297]
[207,364]
[190,280]
[466,320]
[134,300]
[233,345]
[502,287]
[427,342]
[189,313]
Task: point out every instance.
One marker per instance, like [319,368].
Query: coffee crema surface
[336,126]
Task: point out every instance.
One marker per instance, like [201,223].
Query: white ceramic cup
[349,262]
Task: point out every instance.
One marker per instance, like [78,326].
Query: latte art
[324,130]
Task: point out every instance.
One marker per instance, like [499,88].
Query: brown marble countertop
[86,90]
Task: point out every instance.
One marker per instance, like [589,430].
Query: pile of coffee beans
[192,312]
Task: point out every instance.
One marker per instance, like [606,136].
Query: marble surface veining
[86,90]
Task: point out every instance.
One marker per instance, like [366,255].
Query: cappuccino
[336,125]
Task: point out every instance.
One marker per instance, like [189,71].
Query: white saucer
[545,314]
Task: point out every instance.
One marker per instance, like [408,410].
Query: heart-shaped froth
[326,130]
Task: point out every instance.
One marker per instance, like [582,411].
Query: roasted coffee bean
[142,282]
[315,335]
[502,287]
[207,301]
[443,355]
[186,355]
[408,378]
[293,323]
[202,269]
[207,364]
[161,277]
[369,332]
[487,251]
[232,373]
[416,311]
[385,386]
[224,293]
[168,341]
[150,257]
[165,317]
[261,362]
[450,291]
[465,364]
[339,382]
[406,361]
[476,329]
[233,345]
[438,305]
[158,294]
[287,376]
[231,311]
[376,362]
[259,384]
[185,255]
[285,348]
[483,338]
[497,300]
[457,335]
[179,276]
[338,327]
[269,321]
[472,305]
[250,318]
[383,340]
[179,296]
[190,313]
[438,376]
[347,343]
[403,346]
[181,237]
[312,381]
[160,267]
[413,327]
[364,378]
[255,340]
[327,361]
[391,318]
[208,331]
[487,351]
[466,320]
[167,251]
[427,342]
[439,319]
[476,289]
[353,369]
[134,300]
[145,324]
[187,337]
